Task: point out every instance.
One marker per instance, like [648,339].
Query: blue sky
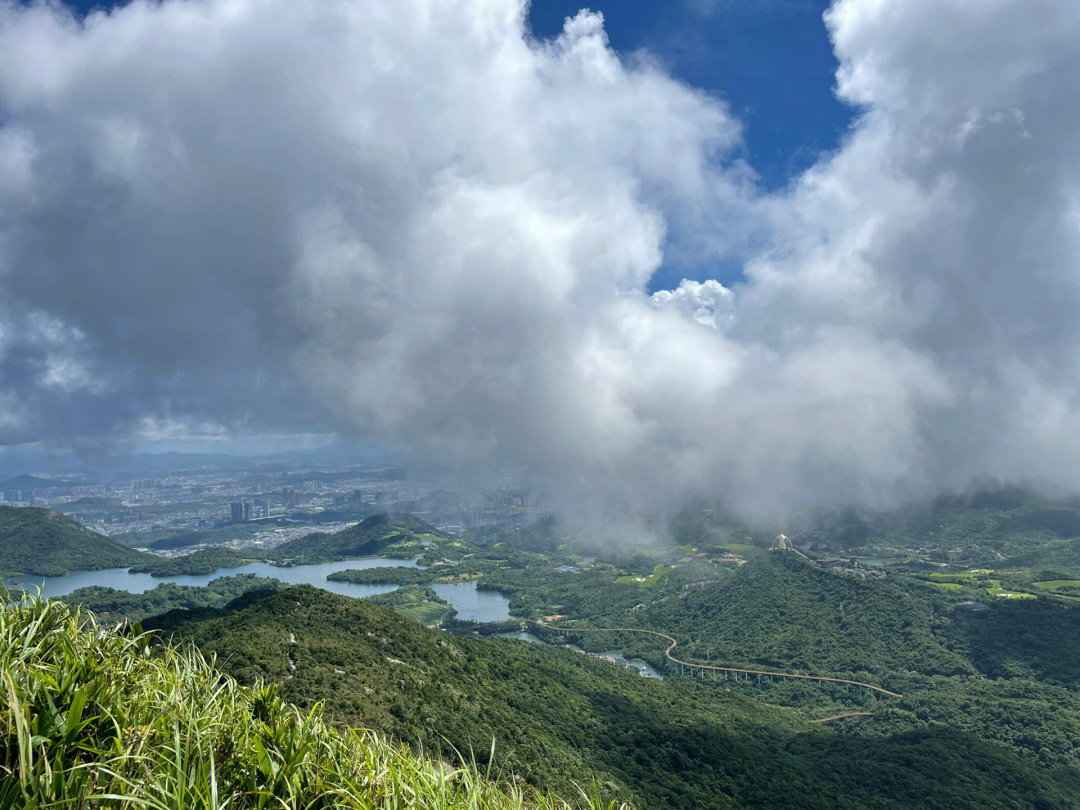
[770,59]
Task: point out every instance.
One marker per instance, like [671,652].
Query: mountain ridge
[42,542]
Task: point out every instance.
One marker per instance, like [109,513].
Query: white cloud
[708,302]
[408,219]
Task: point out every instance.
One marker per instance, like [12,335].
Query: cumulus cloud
[411,221]
[708,302]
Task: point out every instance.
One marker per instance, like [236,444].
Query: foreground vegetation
[975,619]
[96,718]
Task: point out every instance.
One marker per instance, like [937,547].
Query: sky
[783,255]
[770,61]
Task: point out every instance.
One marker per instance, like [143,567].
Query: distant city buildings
[243,511]
[208,498]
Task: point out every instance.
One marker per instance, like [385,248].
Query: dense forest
[45,543]
[556,714]
[370,536]
[785,612]
[110,604]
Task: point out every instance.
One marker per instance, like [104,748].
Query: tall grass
[96,717]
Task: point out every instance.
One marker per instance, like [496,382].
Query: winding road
[672,644]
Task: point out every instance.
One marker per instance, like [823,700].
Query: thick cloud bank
[408,220]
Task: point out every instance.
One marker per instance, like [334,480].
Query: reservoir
[471,603]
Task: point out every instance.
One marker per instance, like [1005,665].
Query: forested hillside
[371,536]
[1003,527]
[555,715]
[784,612]
[110,604]
[203,561]
[42,542]
[1005,671]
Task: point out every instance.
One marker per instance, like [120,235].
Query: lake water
[471,604]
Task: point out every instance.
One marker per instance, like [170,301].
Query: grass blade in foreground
[94,717]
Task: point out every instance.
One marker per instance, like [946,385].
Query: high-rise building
[247,510]
[236,512]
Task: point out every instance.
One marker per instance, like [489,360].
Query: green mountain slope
[556,715]
[41,542]
[203,561]
[94,719]
[1005,672]
[1000,528]
[371,536]
[112,605]
[1027,638]
[784,612]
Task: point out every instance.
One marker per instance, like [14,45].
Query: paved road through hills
[672,644]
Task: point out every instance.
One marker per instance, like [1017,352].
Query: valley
[776,662]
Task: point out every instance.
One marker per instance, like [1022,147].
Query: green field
[415,602]
[1007,594]
[650,580]
[428,614]
[1059,585]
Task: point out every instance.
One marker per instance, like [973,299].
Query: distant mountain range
[38,464]
[24,483]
